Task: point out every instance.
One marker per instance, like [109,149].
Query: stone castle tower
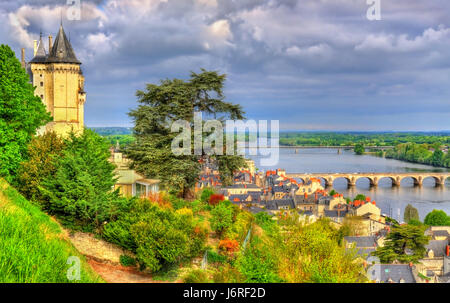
[59,82]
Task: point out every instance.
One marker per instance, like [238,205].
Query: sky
[311,64]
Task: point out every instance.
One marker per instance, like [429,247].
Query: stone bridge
[374,178]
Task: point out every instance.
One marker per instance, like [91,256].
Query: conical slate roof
[41,55]
[62,51]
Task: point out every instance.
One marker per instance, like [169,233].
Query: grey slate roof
[276,204]
[256,196]
[362,242]
[438,247]
[335,214]
[394,273]
[41,55]
[61,52]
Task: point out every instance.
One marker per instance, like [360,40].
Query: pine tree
[80,192]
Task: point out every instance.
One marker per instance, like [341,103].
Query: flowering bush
[228,246]
[216,199]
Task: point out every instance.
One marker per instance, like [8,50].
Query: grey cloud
[316,59]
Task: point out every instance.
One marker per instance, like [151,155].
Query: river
[391,200]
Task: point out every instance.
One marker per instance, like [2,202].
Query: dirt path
[120,274]
[104,258]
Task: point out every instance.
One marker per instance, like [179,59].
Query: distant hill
[108,131]
[33,248]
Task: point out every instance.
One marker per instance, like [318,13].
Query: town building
[129,182]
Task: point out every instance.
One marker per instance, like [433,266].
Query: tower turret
[59,82]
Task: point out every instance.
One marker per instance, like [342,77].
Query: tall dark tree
[411,213]
[437,159]
[160,106]
[405,243]
[21,113]
[359,149]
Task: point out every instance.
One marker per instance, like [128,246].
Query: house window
[140,190]
[42,97]
[42,83]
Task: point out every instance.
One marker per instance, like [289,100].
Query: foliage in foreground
[73,180]
[294,252]
[159,236]
[196,276]
[43,152]
[32,246]
[21,113]
[311,253]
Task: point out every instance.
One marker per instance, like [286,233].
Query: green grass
[33,248]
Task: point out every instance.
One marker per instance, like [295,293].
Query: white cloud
[314,50]
[401,43]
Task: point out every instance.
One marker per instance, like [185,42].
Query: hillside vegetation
[33,247]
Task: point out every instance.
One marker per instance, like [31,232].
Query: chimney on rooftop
[23,58]
[50,43]
[35,47]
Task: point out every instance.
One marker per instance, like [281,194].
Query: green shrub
[266,222]
[127,260]
[196,276]
[239,229]
[206,193]
[437,218]
[257,265]
[158,236]
[41,164]
[214,257]
[222,217]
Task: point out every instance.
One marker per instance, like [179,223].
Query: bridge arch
[373,181]
[393,181]
[349,181]
[417,180]
[438,180]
